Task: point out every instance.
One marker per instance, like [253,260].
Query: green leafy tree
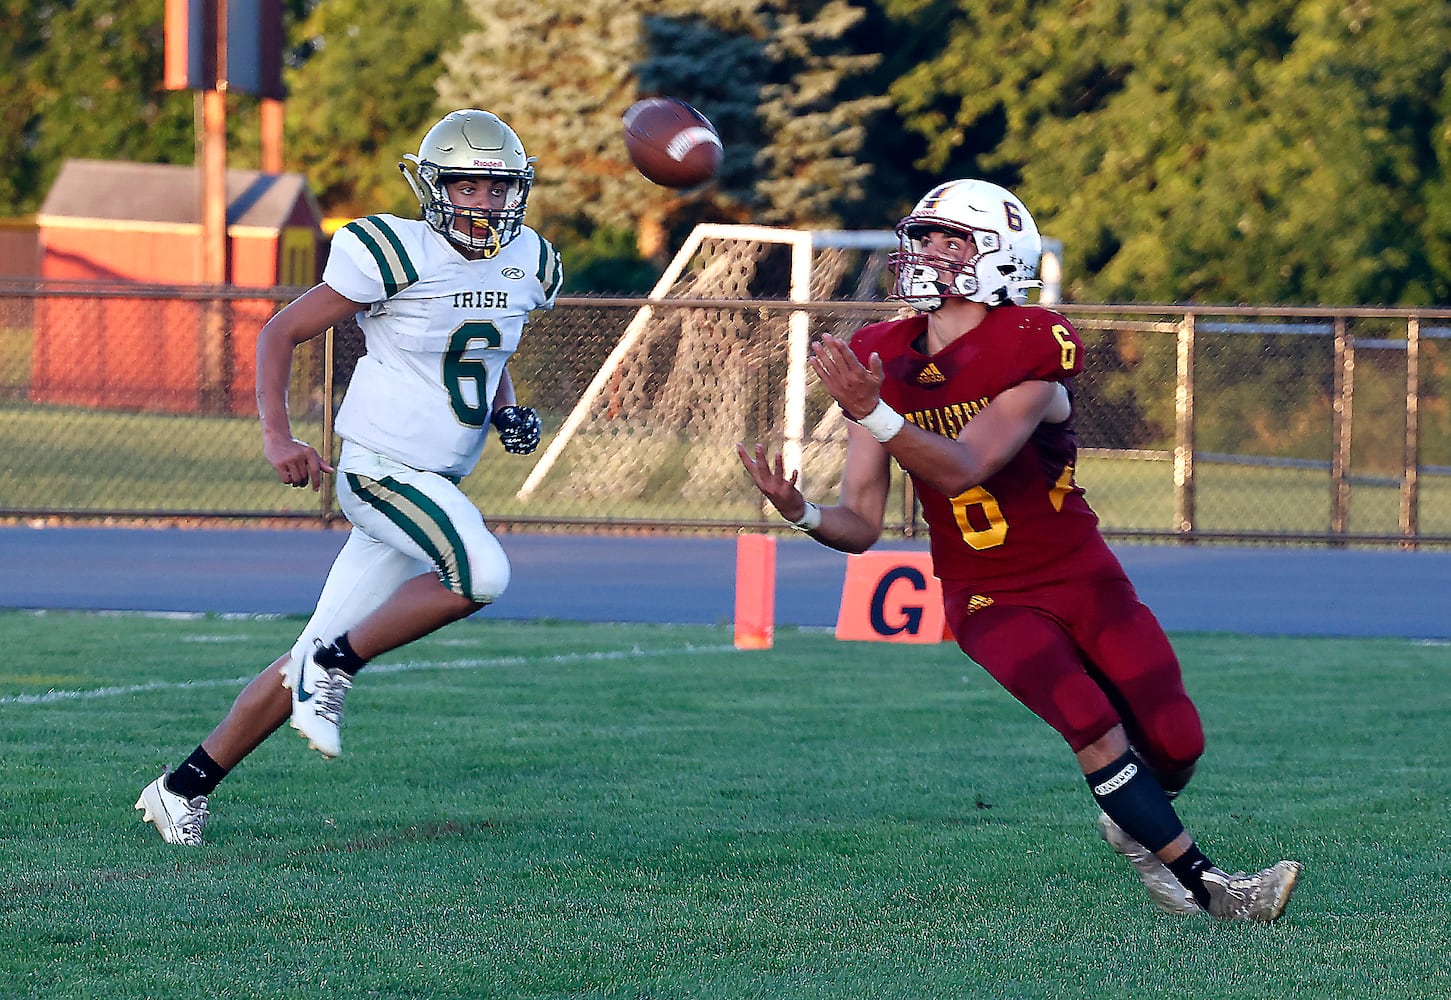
[84,79]
[94,77]
[1201,149]
[20,167]
[363,95]
[895,153]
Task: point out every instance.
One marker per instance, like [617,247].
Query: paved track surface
[1265,591]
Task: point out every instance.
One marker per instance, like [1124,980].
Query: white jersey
[439,329]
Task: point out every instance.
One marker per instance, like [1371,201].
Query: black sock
[197,775]
[1187,868]
[339,656]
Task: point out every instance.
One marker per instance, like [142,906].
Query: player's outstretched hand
[519,428]
[297,462]
[855,387]
[771,479]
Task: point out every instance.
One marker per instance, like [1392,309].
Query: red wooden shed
[108,222]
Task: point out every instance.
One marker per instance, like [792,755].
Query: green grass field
[561,810]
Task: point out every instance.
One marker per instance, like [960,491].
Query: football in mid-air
[671,143]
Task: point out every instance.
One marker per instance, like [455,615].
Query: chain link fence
[1315,426]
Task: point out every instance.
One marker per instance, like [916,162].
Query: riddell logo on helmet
[488,163]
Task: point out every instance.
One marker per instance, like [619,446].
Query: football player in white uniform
[442,302]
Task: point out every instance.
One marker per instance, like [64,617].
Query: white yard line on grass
[381,668]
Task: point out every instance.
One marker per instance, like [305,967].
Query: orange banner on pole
[891,597]
[189,59]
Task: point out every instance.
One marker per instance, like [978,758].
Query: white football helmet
[471,143]
[999,267]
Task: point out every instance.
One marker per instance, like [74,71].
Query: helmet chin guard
[474,144]
[1002,264]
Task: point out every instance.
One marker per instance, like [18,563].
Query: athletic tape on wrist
[884,422]
[810,518]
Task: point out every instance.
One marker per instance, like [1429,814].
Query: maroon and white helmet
[1002,266]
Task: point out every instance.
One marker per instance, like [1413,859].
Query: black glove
[518,428]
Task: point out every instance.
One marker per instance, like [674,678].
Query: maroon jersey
[1024,523]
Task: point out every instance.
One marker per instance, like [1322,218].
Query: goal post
[716,262]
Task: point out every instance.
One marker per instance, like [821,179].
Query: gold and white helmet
[1003,264]
[471,143]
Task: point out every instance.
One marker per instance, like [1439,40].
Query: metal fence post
[1411,472]
[1184,429]
[1341,427]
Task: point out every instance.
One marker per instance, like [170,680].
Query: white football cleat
[317,702]
[1167,892]
[178,820]
[1260,897]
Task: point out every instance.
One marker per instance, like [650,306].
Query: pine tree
[814,166]
[560,73]
[766,72]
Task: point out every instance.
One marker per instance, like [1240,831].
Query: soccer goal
[716,355]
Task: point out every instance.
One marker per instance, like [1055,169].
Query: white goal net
[718,355]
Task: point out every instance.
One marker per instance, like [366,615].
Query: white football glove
[519,428]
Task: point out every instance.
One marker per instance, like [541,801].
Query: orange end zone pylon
[755,591]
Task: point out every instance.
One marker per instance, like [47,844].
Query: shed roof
[169,194]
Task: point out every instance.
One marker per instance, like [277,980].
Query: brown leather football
[671,143]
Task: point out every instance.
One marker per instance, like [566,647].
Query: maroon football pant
[1084,655]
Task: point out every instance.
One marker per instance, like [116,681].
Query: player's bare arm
[854,523]
[297,462]
[504,395]
[951,466]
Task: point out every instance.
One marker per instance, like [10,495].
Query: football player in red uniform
[973,398]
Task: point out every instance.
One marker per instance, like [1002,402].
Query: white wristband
[884,422]
[810,518]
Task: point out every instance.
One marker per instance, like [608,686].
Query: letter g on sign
[909,616]
[891,596]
